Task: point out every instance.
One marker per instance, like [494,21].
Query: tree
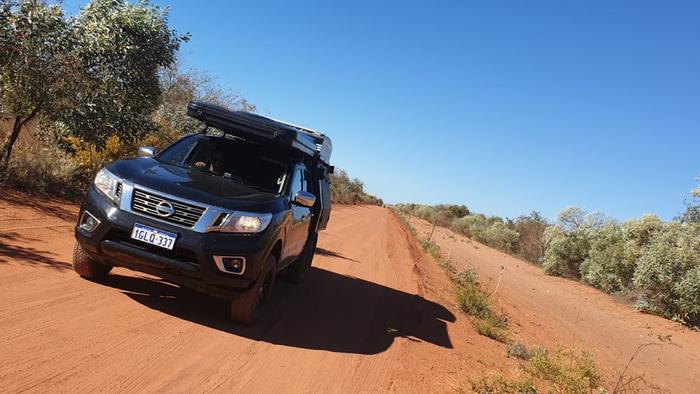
[93,76]
[123,47]
[692,207]
[37,64]
[182,86]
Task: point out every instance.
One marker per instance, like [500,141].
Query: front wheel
[296,272]
[247,306]
[86,266]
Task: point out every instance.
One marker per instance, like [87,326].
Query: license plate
[153,236]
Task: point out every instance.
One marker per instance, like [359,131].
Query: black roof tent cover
[261,129]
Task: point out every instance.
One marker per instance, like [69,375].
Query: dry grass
[562,371]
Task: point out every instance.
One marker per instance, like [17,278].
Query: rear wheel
[247,306]
[86,266]
[296,272]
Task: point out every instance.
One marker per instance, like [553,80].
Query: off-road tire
[248,305]
[296,272]
[87,267]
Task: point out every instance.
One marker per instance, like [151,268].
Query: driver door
[301,216]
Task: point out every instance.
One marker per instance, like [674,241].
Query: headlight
[245,222]
[106,183]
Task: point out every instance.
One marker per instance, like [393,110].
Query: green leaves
[94,75]
[122,47]
[35,56]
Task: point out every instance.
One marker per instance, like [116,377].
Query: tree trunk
[10,142]
[11,139]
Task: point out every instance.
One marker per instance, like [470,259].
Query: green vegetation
[500,384]
[654,261]
[562,371]
[660,262]
[522,236]
[350,191]
[473,301]
[520,351]
[91,76]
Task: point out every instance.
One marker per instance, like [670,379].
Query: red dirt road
[375,315]
[366,320]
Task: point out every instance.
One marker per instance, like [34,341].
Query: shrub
[609,266]
[476,303]
[530,242]
[563,371]
[43,169]
[614,253]
[350,191]
[493,327]
[473,301]
[568,243]
[431,248]
[499,236]
[668,275]
[564,251]
[639,232]
[567,370]
[519,350]
[497,384]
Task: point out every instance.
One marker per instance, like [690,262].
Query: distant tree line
[350,191]
[655,263]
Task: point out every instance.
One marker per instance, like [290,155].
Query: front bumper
[190,263]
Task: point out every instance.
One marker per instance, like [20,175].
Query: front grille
[185,214]
[118,192]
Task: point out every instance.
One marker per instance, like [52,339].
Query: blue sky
[506,107]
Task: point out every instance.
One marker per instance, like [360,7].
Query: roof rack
[263,129]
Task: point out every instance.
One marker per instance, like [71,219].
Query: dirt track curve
[374,315]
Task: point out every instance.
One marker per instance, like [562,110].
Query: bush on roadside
[563,371]
[668,273]
[500,384]
[350,191]
[568,371]
[568,242]
[565,251]
[614,253]
[36,168]
[609,265]
[530,242]
[474,302]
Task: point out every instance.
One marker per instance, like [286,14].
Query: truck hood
[194,185]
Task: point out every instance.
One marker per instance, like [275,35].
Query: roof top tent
[261,129]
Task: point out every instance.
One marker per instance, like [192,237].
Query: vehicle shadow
[325,252]
[330,312]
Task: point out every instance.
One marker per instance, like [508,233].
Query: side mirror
[146,151]
[305,199]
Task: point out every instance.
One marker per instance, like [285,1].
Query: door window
[297,183]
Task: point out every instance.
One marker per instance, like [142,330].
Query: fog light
[230,264]
[89,222]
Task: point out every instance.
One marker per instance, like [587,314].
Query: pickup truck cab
[221,211]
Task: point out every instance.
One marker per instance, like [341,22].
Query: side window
[296,183]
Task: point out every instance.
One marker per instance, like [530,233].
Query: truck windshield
[233,159]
